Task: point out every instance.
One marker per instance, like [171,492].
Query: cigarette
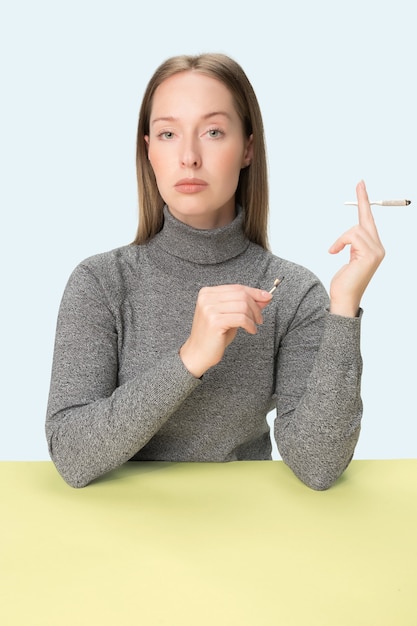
[385,203]
[277,281]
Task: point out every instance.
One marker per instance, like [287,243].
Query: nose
[190,153]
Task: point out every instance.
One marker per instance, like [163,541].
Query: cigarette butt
[276,283]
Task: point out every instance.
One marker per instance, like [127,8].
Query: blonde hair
[252,190]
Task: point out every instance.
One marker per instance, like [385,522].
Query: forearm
[317,433]
[99,412]
[88,440]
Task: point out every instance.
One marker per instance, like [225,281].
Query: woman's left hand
[366,253]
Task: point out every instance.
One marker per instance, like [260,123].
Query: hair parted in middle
[252,192]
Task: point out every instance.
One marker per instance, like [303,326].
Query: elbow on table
[321,477]
[66,465]
[321,468]
[70,473]
[319,483]
[77,482]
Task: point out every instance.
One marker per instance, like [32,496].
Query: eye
[215,133]
[166,134]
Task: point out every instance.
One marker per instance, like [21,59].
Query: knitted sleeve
[319,406]
[92,424]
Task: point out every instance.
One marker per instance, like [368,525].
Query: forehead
[191,91]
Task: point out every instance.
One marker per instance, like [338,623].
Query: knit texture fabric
[119,390]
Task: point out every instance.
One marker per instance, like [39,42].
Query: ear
[248,153]
[146,138]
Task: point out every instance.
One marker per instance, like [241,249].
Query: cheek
[152,155]
[158,163]
[230,163]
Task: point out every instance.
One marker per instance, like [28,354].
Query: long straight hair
[252,190]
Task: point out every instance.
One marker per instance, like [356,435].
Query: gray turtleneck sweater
[119,390]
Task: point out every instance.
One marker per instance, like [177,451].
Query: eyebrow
[170,118]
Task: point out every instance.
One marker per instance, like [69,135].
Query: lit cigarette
[276,283]
[385,203]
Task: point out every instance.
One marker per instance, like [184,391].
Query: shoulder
[113,265]
[110,260]
[107,273]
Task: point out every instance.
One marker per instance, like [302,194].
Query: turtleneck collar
[202,246]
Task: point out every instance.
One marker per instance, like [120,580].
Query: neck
[215,219]
[202,246]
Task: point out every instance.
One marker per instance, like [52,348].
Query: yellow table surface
[238,543]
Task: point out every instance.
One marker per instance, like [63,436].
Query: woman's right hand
[219,312]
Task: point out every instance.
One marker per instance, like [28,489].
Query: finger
[259,295]
[256,299]
[338,245]
[241,308]
[229,321]
[214,301]
[366,219]
[233,292]
[357,237]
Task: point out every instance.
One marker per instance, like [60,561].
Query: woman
[172,348]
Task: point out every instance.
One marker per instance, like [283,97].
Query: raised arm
[319,405]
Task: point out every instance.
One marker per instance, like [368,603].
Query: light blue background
[336,83]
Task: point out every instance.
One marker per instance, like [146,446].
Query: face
[197,147]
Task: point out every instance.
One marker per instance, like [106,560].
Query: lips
[190,185]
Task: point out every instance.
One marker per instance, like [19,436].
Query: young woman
[172,348]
